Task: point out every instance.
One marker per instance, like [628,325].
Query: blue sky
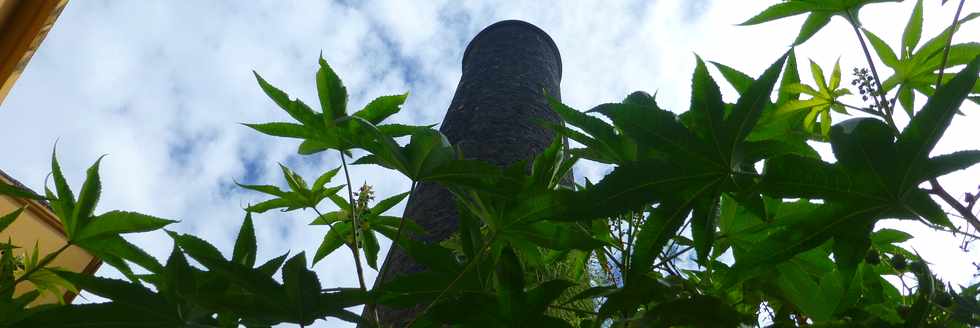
[160,86]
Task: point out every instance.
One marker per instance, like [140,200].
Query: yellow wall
[38,224]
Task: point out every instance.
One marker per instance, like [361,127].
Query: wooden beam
[23,25]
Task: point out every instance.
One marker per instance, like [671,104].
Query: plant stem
[860,109]
[45,261]
[949,44]
[954,203]
[356,223]
[936,187]
[883,104]
[667,259]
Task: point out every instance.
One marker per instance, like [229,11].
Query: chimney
[494,117]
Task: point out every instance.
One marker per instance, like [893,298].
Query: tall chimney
[494,117]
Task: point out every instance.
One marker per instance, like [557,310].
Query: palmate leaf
[822,100]
[921,134]
[300,194]
[889,171]
[599,136]
[819,12]
[916,70]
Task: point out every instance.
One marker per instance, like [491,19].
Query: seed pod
[898,262]
[873,257]
[917,267]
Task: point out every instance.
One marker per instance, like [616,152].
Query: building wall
[38,225]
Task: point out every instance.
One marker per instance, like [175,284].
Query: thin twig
[356,223]
[936,187]
[667,259]
[949,44]
[883,105]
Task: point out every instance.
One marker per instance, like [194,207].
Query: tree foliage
[780,236]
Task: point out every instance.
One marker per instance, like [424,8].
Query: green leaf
[791,76]
[128,298]
[381,108]
[332,93]
[87,199]
[864,147]
[782,179]
[18,192]
[66,199]
[553,235]
[266,189]
[196,247]
[913,30]
[748,109]
[285,130]
[324,179]
[820,13]
[889,236]
[295,182]
[919,203]
[696,311]
[659,227]
[804,230]
[7,219]
[113,249]
[907,99]
[944,164]
[602,137]
[302,289]
[295,108]
[510,284]
[801,289]
[118,222]
[740,81]
[923,132]
[708,111]
[884,52]
[386,204]
[780,10]
[813,23]
[273,204]
[245,245]
[426,152]
[545,294]
[334,238]
[657,129]
[371,248]
[704,223]
[634,185]
[270,267]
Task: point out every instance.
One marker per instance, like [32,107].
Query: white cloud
[160,86]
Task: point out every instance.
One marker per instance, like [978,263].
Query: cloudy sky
[160,86]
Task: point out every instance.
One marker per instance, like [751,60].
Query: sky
[160,86]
